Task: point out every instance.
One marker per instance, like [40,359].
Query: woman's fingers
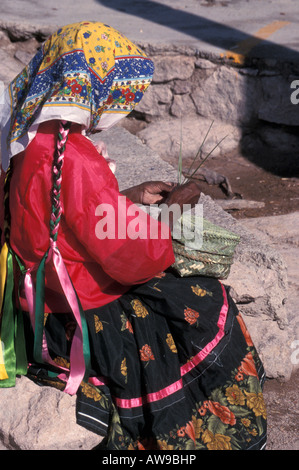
[188,193]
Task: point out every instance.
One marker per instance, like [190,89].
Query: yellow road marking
[244,47]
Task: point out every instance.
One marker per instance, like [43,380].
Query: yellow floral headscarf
[86,72]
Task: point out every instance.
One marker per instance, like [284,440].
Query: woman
[157,362]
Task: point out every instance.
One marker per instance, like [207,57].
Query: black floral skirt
[173,367]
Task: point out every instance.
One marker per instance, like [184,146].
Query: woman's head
[86,72]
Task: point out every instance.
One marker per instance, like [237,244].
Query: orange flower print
[247,366]
[191,315]
[140,446]
[190,431]
[98,324]
[199,291]
[146,353]
[163,445]
[239,377]
[197,426]
[245,422]
[123,367]
[129,326]
[181,432]
[125,323]
[226,416]
[244,330]
[202,410]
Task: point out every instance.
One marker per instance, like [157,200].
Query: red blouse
[101,269]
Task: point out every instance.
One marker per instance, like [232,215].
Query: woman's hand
[158,192]
[150,192]
[188,193]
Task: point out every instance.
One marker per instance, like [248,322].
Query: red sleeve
[129,245]
[2,180]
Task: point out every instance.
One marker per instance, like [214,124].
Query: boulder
[173,67]
[10,68]
[261,280]
[229,96]
[281,232]
[156,101]
[14,56]
[166,137]
[41,418]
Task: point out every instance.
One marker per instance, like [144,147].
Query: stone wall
[249,103]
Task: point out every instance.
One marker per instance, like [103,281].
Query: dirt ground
[263,177]
[280,194]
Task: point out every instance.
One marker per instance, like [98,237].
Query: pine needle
[203,161]
[200,148]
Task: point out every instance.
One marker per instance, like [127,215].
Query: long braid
[80,351]
[64,128]
[7,216]
[56,188]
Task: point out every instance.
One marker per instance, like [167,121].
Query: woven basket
[213,258]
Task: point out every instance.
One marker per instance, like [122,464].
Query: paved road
[226,25]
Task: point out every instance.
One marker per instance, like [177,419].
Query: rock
[237,204]
[142,162]
[282,233]
[228,96]
[182,105]
[5,42]
[23,31]
[282,140]
[41,418]
[23,57]
[156,101]
[172,67]
[10,67]
[14,56]
[182,87]
[165,137]
[205,64]
[281,399]
[260,285]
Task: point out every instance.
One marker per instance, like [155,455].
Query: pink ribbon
[77,362]
[77,367]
